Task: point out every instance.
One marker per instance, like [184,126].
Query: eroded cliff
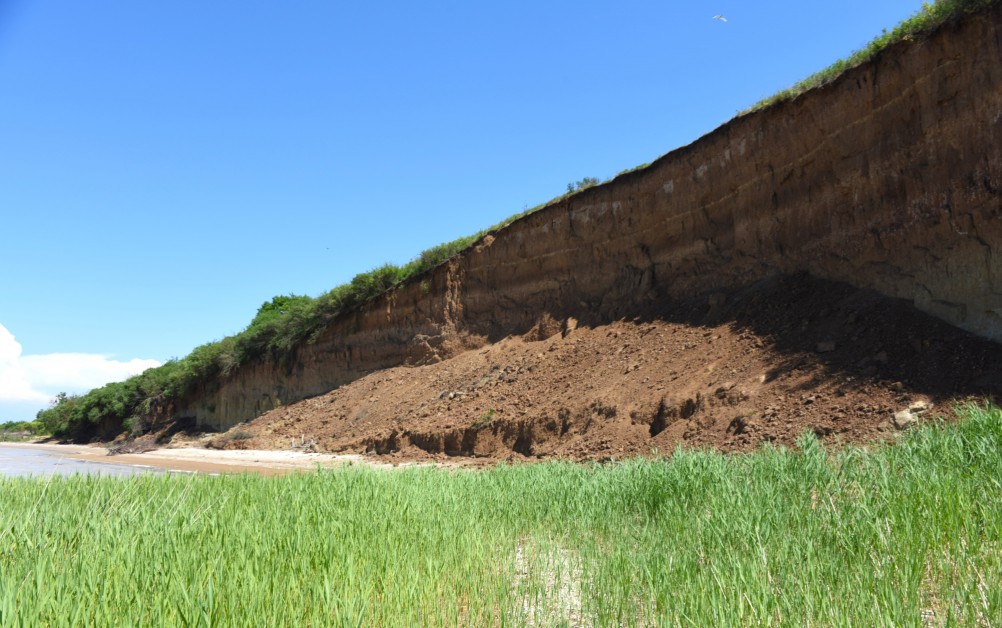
[888,179]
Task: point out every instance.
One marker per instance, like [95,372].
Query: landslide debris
[730,372]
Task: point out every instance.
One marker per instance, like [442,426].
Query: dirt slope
[726,371]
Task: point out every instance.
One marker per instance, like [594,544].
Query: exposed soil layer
[730,372]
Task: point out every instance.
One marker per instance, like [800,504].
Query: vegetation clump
[583,184]
[21,430]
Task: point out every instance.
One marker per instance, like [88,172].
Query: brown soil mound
[730,372]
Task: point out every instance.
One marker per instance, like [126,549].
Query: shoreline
[208,461]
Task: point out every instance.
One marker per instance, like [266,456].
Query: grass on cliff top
[926,20]
[287,322]
[905,534]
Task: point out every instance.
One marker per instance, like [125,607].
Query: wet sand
[41,458]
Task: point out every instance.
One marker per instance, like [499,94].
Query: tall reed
[887,536]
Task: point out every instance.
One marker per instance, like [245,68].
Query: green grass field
[853,537]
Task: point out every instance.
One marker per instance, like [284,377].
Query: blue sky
[166,167]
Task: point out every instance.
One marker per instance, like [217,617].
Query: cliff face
[888,179]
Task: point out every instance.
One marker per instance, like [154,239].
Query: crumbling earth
[729,372]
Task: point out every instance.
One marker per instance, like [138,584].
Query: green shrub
[28,428]
[583,184]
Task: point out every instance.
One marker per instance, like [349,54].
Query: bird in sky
[720,17]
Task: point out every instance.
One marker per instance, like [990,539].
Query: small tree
[577,186]
[59,414]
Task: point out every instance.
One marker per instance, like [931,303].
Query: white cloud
[14,385]
[79,371]
[37,378]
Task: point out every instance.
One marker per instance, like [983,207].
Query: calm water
[17,461]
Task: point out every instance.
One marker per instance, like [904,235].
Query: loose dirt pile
[729,372]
